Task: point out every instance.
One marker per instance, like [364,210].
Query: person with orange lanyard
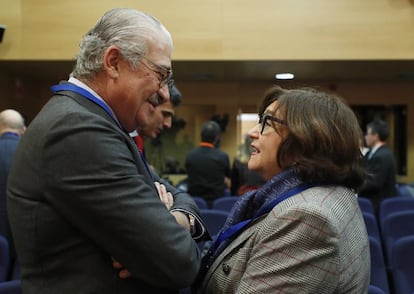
[208,167]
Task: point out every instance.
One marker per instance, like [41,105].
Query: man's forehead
[169,111]
[166,106]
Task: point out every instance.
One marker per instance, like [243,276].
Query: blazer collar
[245,235]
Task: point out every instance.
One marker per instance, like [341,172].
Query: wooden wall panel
[224,29]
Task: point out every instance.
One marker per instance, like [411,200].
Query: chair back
[402,265]
[4,258]
[375,290]
[225,203]
[395,226]
[11,287]
[379,276]
[394,204]
[372,225]
[214,219]
[366,205]
[201,202]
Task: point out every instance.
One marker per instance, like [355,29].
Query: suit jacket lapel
[91,106]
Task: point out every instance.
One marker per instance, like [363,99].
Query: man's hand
[166,197]
[123,272]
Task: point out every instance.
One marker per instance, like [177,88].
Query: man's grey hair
[128,29]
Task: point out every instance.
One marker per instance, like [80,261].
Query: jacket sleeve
[184,202]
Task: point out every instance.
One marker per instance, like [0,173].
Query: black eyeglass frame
[166,79]
[263,120]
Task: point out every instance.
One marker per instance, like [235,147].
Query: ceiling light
[247,117]
[284,76]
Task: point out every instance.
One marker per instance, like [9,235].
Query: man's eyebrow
[166,112]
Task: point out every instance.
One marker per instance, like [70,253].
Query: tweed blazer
[313,242]
[79,195]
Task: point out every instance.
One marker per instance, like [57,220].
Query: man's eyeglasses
[264,121]
[164,74]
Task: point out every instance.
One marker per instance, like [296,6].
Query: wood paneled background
[219,30]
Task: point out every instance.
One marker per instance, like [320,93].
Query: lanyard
[10,134]
[206,144]
[85,93]
[237,228]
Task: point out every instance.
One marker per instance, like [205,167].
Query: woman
[302,231]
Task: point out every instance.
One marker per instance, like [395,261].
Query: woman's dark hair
[323,138]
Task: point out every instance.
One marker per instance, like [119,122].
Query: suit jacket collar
[375,149]
[237,242]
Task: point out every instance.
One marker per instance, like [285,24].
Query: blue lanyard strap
[90,96]
[85,93]
[237,228]
[10,134]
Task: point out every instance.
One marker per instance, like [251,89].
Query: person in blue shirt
[12,127]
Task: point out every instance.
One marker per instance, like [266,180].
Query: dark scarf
[251,202]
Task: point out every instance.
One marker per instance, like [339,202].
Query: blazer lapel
[245,235]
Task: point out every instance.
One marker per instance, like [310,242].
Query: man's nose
[164,94]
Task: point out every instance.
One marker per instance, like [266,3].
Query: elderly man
[87,197]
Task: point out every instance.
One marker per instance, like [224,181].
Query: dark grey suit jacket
[78,195]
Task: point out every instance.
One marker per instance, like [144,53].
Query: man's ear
[111,60]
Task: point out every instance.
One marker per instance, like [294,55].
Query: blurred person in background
[12,127]
[208,167]
[380,162]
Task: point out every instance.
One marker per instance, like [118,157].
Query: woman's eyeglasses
[264,121]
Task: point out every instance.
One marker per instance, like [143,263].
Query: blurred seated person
[208,167]
[243,179]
